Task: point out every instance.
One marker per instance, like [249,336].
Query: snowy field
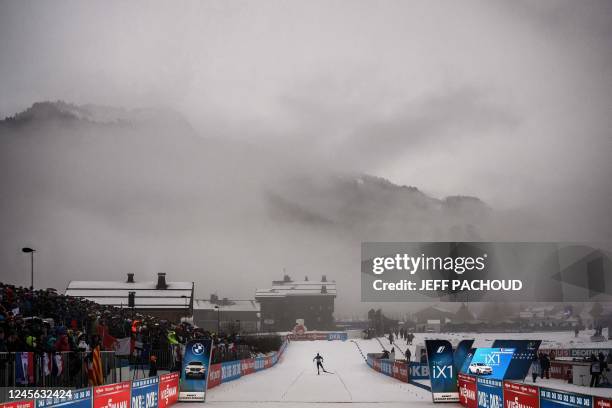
[294,382]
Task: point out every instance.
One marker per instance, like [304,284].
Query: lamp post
[186,307]
[30,251]
[218,318]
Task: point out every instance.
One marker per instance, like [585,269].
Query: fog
[260,117]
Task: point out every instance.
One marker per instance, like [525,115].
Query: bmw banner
[194,372]
[442,372]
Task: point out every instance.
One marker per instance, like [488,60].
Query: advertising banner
[267,362]
[144,393]
[600,402]
[168,389]
[247,366]
[400,371]
[524,353]
[214,375]
[75,399]
[112,395]
[467,390]
[419,371]
[230,371]
[194,372]
[550,398]
[520,395]
[342,336]
[18,404]
[442,373]
[259,363]
[490,393]
[386,367]
[490,362]
[559,369]
[461,352]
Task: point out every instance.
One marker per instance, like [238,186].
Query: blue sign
[524,353]
[145,393]
[490,393]
[556,399]
[418,371]
[490,362]
[260,363]
[461,352]
[386,367]
[194,371]
[230,371]
[81,398]
[442,373]
[337,336]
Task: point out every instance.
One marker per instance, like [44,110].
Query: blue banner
[461,352]
[442,373]
[145,393]
[490,393]
[490,362]
[556,399]
[81,398]
[260,363]
[230,371]
[194,371]
[524,353]
[419,371]
[343,336]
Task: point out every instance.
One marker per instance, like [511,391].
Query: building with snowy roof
[226,315]
[288,300]
[166,300]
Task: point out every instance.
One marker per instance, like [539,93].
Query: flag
[123,347]
[95,371]
[108,341]
[58,364]
[47,364]
[24,368]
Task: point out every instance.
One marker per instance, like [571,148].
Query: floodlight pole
[30,251]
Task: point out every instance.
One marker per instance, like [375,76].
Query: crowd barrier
[311,336]
[476,392]
[153,392]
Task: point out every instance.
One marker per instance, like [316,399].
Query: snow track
[294,382]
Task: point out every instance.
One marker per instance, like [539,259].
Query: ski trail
[345,387]
[291,385]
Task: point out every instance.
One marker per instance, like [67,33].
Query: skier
[319,363]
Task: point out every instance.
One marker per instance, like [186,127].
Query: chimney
[306,278]
[214,298]
[130,278]
[323,278]
[161,281]
[323,289]
[286,278]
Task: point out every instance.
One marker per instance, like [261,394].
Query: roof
[115,293]
[297,288]
[227,305]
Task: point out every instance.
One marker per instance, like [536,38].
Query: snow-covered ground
[294,382]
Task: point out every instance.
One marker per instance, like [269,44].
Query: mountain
[103,191]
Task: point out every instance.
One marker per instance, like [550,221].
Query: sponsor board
[112,395]
[419,371]
[467,390]
[550,398]
[76,399]
[524,353]
[311,336]
[600,402]
[144,393]
[230,371]
[490,393]
[400,371]
[168,389]
[559,370]
[490,362]
[442,373]
[576,352]
[520,395]
[194,370]
[214,375]
[247,366]
[18,404]
[267,362]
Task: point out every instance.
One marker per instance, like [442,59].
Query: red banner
[247,366]
[18,404]
[214,375]
[600,402]
[467,390]
[376,364]
[267,362]
[168,389]
[112,395]
[559,369]
[400,371]
[520,395]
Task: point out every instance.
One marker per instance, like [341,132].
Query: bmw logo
[197,348]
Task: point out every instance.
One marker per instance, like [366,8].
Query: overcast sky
[502,100]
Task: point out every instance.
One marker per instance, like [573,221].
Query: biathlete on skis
[319,361]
